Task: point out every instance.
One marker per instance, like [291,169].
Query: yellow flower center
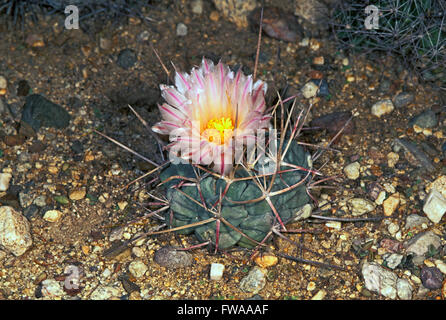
[219,129]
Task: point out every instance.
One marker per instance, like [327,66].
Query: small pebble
[441,265]
[434,206]
[214,16]
[254,281]
[77,194]
[311,286]
[52,215]
[414,221]
[51,288]
[197,6]
[5,178]
[431,277]
[392,159]
[351,78]
[403,99]
[404,289]
[23,88]
[314,44]
[276,23]
[360,206]
[116,234]
[334,224]
[391,204]
[3,82]
[320,295]
[379,279]
[171,258]
[323,87]
[305,42]
[318,60]
[310,89]
[104,293]
[138,252]
[393,260]
[352,170]
[15,235]
[426,119]
[393,228]
[439,184]
[138,268]
[420,244]
[382,107]
[381,197]
[217,270]
[127,58]
[181,29]
[266,260]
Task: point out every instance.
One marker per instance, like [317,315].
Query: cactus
[235,209]
[413,30]
[245,202]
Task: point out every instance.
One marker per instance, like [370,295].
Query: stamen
[222,127]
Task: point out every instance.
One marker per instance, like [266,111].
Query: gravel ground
[67,185]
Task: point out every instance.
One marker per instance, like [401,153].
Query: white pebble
[3,82]
[52,215]
[320,295]
[435,206]
[4,181]
[181,29]
[138,269]
[310,89]
[217,271]
[382,107]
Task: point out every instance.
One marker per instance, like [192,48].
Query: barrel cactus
[235,210]
[232,199]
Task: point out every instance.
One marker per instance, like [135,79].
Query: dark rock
[384,85]
[429,149]
[37,147]
[31,211]
[423,160]
[26,130]
[23,88]
[41,112]
[77,147]
[14,140]
[10,200]
[333,122]
[128,285]
[403,99]
[426,119]
[115,249]
[391,245]
[172,258]
[443,149]
[323,87]
[277,24]
[431,277]
[127,58]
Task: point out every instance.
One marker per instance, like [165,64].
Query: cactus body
[252,220]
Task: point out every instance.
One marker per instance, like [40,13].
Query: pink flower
[211,112]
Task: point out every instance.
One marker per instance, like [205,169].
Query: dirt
[79,71]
